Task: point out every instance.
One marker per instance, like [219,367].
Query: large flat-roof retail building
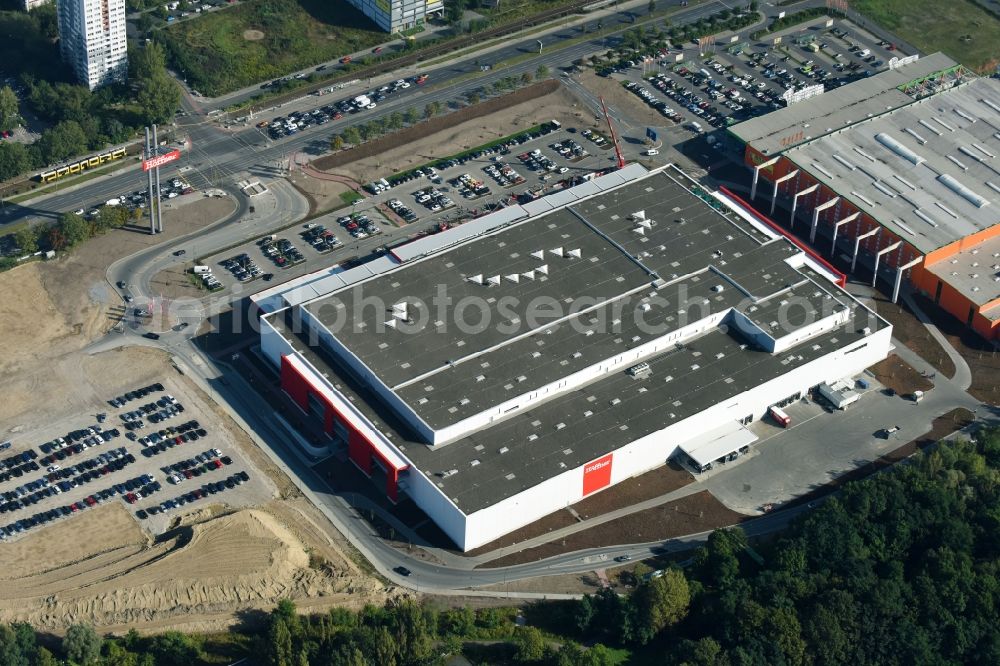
[900,172]
[513,365]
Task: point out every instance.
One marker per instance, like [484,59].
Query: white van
[696,127]
[201,270]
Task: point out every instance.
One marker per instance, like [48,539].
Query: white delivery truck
[201,270]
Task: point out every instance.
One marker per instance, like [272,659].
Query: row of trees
[69,230]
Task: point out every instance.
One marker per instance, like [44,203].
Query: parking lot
[732,85]
[428,200]
[156,449]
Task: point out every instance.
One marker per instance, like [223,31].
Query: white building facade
[398,15]
[92,40]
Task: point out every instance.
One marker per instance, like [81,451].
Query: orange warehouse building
[898,174]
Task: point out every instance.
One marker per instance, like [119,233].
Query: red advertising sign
[597,474]
[160,160]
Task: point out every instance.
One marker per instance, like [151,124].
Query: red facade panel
[597,474]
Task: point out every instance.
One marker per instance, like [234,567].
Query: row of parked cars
[399,208]
[468,187]
[158,442]
[60,450]
[190,431]
[10,463]
[213,488]
[433,199]
[359,225]
[536,160]
[502,148]
[76,476]
[503,174]
[243,267]
[137,394]
[145,482]
[322,239]
[202,463]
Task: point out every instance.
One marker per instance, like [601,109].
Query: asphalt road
[216,157]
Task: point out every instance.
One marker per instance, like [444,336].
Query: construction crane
[614,136]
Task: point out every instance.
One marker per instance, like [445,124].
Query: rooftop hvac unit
[540,254]
[639,215]
[493,280]
[639,371]
[513,277]
[543,269]
[558,251]
[478,278]
[574,253]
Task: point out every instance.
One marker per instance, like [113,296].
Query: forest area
[898,568]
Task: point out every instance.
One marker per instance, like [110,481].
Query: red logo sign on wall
[160,160]
[597,474]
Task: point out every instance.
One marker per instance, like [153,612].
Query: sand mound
[31,320]
[253,35]
[242,560]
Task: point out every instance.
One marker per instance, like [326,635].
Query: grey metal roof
[975,272]
[929,171]
[773,133]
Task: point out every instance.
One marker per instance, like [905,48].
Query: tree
[432,109]
[62,142]
[10,114]
[144,23]
[542,72]
[279,644]
[651,6]
[412,116]
[156,93]
[174,649]
[352,135]
[659,603]
[81,644]
[337,142]
[26,238]
[472,96]
[15,159]
[526,78]
[458,621]
[530,645]
[395,121]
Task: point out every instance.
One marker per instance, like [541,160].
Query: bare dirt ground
[559,105]
[982,357]
[59,306]
[907,329]
[617,97]
[895,373]
[102,568]
[215,561]
[688,515]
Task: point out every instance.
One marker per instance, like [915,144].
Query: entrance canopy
[717,443]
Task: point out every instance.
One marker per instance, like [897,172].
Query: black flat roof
[694,260]
[446,372]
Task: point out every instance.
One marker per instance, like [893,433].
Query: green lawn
[212,52]
[933,25]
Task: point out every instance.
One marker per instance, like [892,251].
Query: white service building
[514,365]
[92,40]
